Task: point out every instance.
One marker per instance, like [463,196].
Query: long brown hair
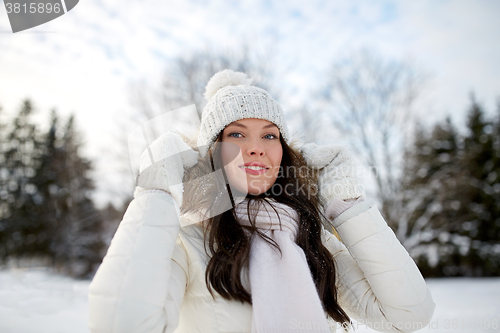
[228,243]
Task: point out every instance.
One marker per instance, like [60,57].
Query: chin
[241,187]
[256,192]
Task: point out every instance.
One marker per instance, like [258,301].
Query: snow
[38,300]
[463,305]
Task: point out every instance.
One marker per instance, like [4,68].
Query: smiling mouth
[251,167]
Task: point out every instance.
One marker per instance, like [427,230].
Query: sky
[84,61]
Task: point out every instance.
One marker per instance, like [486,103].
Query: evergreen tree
[20,162]
[46,210]
[455,225]
[47,182]
[482,169]
[78,244]
[431,181]
[4,179]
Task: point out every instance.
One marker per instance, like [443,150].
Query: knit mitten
[337,179]
[162,165]
[336,207]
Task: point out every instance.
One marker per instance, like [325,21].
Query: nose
[254,148]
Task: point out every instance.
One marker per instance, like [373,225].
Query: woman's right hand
[139,286]
[162,165]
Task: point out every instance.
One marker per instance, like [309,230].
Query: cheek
[230,153]
[277,156]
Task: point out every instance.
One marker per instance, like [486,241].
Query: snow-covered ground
[463,305]
[35,300]
[38,301]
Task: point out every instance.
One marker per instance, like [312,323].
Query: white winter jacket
[152,278]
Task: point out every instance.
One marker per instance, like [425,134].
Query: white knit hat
[231,97]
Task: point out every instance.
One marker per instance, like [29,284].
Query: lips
[254,168]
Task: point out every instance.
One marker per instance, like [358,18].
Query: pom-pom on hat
[231,97]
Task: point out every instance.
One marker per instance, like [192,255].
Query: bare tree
[371,100]
[184,79]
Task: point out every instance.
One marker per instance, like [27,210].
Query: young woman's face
[256,168]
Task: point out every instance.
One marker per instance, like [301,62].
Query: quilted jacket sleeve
[141,282]
[378,283]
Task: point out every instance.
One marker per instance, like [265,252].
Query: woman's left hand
[337,172]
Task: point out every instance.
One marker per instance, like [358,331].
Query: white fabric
[162,165]
[283,290]
[223,79]
[153,277]
[337,172]
[338,206]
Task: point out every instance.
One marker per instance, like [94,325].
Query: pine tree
[78,244]
[431,182]
[455,225]
[21,158]
[4,180]
[47,182]
[46,210]
[482,169]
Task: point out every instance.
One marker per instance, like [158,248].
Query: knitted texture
[225,78]
[162,165]
[337,179]
[337,206]
[231,98]
[282,287]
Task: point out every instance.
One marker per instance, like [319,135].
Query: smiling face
[257,166]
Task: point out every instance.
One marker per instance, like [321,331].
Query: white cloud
[99,47]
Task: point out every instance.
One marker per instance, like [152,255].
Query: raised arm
[141,282]
[378,283]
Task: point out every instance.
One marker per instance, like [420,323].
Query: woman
[228,236]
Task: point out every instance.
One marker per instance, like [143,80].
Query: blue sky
[83,61]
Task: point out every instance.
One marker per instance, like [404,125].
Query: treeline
[452,179]
[448,207]
[46,211]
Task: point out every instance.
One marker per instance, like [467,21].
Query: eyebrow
[241,125]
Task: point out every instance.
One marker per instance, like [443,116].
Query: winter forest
[438,185]
[411,88]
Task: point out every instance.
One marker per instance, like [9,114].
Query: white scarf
[284,295]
